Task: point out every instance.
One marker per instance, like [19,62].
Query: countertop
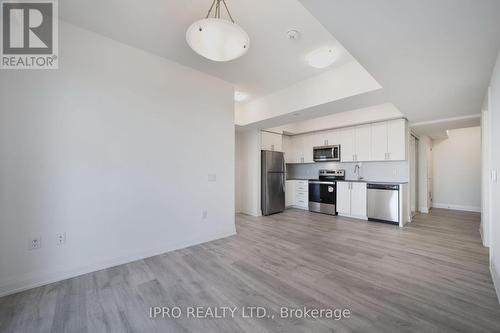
[371,182]
[356,181]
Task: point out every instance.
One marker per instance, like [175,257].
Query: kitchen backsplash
[393,171]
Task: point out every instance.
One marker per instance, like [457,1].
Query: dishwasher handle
[389,187]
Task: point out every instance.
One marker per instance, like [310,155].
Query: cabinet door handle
[353,158]
[388,156]
[272,147]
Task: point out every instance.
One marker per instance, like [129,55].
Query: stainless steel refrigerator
[273,179]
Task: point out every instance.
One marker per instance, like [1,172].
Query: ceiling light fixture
[216,38]
[240,96]
[321,58]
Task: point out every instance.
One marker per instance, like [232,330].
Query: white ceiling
[433,58]
[437,129]
[273,61]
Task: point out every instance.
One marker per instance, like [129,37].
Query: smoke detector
[293,34]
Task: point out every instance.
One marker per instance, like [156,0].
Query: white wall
[457,170]
[485,175]
[248,172]
[114,149]
[494,108]
[425,166]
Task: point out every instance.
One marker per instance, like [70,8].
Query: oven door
[322,196]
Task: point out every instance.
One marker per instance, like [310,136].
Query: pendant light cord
[217,9]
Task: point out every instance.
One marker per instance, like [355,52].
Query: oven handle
[321,182]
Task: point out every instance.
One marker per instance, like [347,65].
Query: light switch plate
[212,177]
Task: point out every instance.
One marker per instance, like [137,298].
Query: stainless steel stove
[323,191]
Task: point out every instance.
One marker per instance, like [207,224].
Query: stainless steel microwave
[326,153]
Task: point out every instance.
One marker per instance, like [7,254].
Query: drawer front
[301,183]
[301,188]
[301,202]
[301,196]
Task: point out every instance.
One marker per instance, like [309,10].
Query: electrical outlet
[35,243]
[204,214]
[61,238]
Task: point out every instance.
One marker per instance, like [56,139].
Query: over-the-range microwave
[326,153]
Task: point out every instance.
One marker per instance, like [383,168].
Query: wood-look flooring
[431,276]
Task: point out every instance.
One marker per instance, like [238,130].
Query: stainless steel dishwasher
[383,202]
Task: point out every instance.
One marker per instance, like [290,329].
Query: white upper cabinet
[310,141]
[297,149]
[363,143]
[316,139]
[396,140]
[332,138]
[327,138]
[271,141]
[303,148]
[379,141]
[288,149]
[389,140]
[347,145]
[382,141]
[355,144]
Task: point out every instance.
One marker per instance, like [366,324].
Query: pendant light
[216,38]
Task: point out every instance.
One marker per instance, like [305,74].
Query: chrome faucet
[357,168]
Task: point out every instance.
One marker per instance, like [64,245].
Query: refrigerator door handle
[284,175]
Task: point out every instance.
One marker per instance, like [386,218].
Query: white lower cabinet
[351,199]
[344,198]
[289,193]
[358,200]
[297,194]
[301,194]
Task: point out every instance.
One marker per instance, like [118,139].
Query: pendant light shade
[216,38]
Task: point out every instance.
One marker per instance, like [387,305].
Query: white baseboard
[495,276]
[250,213]
[457,207]
[424,210]
[483,240]
[34,280]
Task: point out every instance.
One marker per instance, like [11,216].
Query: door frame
[414,160]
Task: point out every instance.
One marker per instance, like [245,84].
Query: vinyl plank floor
[431,276]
